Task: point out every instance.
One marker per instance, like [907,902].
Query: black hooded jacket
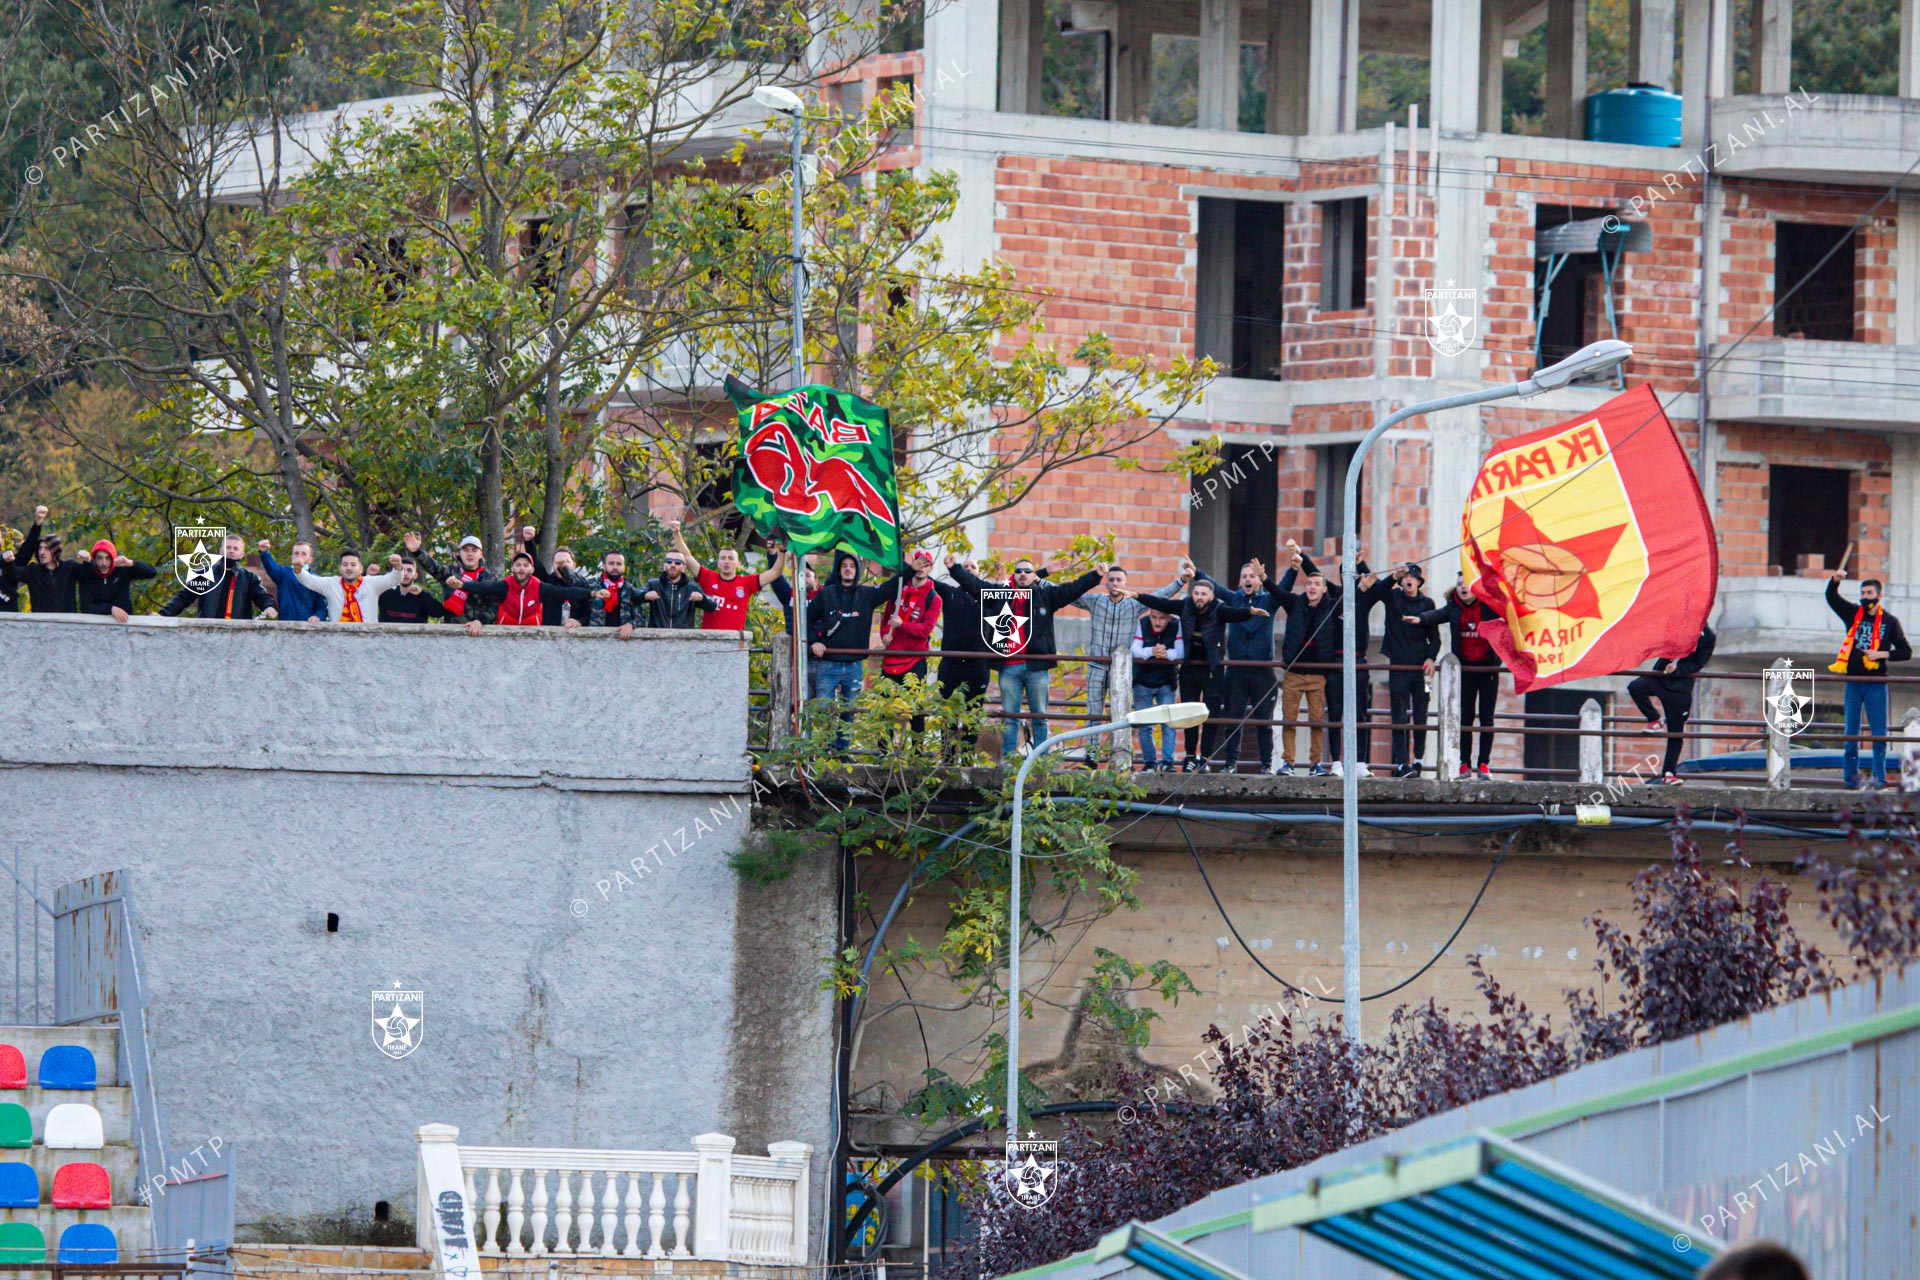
[240,594]
[1313,630]
[841,616]
[99,595]
[1048,599]
[48,590]
[1406,641]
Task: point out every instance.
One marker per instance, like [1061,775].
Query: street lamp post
[1592,358]
[1178,715]
[787,103]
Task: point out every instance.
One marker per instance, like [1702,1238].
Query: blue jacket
[1252,640]
[295,602]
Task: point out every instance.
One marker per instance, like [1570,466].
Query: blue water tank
[1640,114]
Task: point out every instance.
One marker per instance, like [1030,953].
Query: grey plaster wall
[531,828]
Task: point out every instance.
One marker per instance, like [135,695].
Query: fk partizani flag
[816,468]
[1592,544]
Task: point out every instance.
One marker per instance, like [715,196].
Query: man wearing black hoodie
[50,580]
[1407,642]
[960,633]
[1312,639]
[1027,673]
[107,588]
[1674,687]
[840,616]
[238,593]
[1203,625]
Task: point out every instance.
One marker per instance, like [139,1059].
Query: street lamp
[1178,715]
[787,103]
[1595,357]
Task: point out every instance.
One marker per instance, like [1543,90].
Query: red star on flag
[1547,574]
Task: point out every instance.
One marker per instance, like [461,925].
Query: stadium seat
[21,1245]
[74,1126]
[89,1243]
[19,1186]
[13,1068]
[16,1126]
[81,1185]
[67,1066]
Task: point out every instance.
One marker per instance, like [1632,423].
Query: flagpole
[798,378]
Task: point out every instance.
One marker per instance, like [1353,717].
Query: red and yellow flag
[1592,542]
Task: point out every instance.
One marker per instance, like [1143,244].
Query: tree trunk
[556,483]
[493,516]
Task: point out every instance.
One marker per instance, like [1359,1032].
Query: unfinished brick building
[1264,251]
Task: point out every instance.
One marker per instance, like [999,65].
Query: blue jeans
[1017,679]
[1872,698]
[841,682]
[1146,695]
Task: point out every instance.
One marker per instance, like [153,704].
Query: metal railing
[1612,745]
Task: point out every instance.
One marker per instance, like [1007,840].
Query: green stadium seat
[21,1245]
[16,1126]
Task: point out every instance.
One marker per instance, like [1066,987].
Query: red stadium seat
[82,1185]
[13,1068]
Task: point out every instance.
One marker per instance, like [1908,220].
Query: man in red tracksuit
[522,598]
[907,621]
[1479,669]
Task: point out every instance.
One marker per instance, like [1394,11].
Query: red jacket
[919,609]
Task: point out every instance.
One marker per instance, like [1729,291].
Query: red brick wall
[1747,263]
[1742,515]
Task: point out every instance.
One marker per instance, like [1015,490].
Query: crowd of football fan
[1194,640]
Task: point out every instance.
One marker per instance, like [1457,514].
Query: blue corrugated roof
[1481,1208]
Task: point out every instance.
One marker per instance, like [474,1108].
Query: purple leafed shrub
[1699,953]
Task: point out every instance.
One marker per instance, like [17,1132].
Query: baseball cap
[922,551]
[470,541]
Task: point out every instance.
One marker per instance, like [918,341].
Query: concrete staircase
[130,1221]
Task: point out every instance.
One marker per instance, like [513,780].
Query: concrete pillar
[1909,754]
[1771,58]
[1333,80]
[1779,764]
[1133,63]
[1593,745]
[1906,270]
[1910,48]
[1289,42]
[1706,70]
[1020,49]
[1650,42]
[1218,100]
[1455,59]
[1446,703]
[712,1201]
[1566,84]
[1493,64]
[1903,555]
[1119,703]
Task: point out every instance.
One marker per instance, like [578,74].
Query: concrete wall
[479,813]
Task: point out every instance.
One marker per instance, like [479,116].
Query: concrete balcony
[1797,382]
[1788,618]
[1837,137]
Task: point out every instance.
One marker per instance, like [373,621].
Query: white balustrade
[705,1203]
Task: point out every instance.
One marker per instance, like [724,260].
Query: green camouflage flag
[816,468]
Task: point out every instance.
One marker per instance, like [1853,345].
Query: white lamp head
[1595,357]
[1180,715]
[784,101]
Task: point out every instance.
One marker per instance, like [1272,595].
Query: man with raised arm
[1874,638]
[294,602]
[351,596]
[521,600]
[240,593]
[730,590]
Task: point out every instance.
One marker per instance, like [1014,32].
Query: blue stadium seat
[88,1243]
[68,1066]
[19,1186]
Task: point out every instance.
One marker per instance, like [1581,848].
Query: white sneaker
[1337,768]
[1362,770]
